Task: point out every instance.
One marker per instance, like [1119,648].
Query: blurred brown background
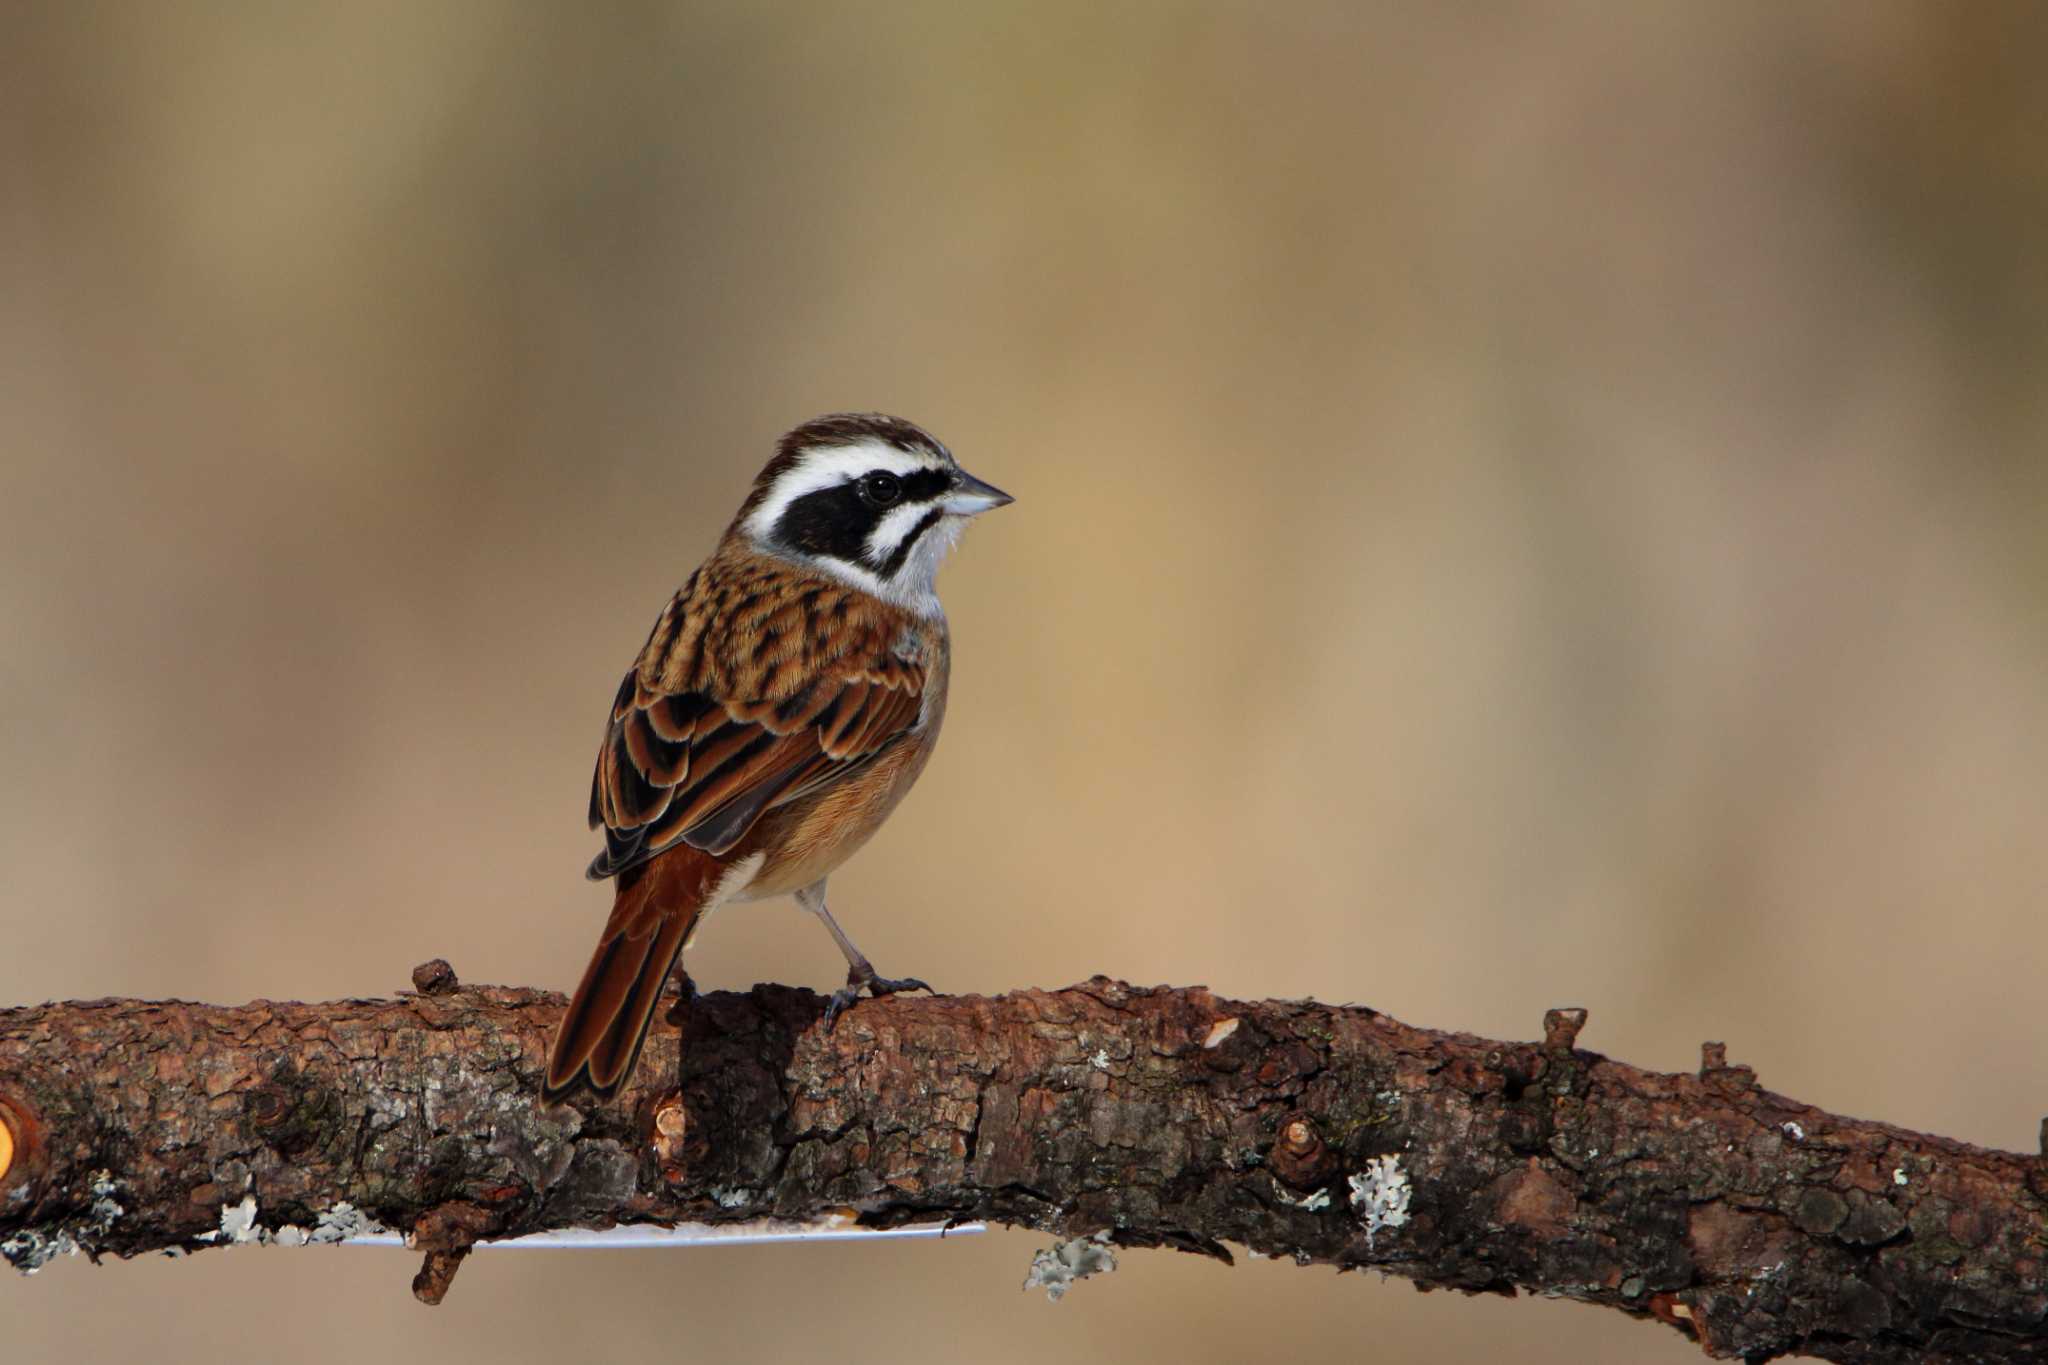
[1519,505]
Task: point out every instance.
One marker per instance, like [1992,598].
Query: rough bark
[1758,1225]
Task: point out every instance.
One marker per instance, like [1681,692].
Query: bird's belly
[807,840]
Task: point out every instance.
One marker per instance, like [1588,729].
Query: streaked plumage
[785,701]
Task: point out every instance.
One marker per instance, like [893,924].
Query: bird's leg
[860,973]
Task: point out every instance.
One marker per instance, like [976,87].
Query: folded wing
[687,767]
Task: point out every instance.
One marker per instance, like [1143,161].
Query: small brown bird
[787,699]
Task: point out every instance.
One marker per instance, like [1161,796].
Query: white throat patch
[892,528]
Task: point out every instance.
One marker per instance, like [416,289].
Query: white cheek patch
[891,530]
[828,467]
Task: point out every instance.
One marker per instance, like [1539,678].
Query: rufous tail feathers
[601,1032]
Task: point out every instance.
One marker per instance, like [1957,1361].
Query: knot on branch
[1300,1157]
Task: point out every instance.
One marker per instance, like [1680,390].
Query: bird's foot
[879,986]
[686,994]
[876,986]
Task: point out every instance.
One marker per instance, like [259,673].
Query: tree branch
[1164,1117]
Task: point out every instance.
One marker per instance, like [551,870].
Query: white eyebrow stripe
[825,467]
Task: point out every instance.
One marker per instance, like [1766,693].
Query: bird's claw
[837,1005]
[876,986]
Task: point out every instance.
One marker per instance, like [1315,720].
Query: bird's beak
[971,497]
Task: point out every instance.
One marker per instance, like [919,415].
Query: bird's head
[873,501]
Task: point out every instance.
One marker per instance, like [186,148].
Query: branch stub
[1561,1029]
[21,1148]
[435,977]
[670,1128]
[1299,1156]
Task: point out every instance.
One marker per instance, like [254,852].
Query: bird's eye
[881,489]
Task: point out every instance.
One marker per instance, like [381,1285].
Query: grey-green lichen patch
[1059,1267]
[239,1226]
[29,1250]
[341,1222]
[105,1209]
[1380,1195]
[237,1223]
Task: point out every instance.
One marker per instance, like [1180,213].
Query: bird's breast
[809,838]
